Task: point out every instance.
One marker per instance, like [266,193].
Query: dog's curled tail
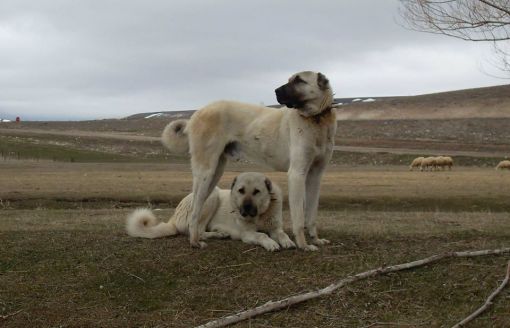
[142,223]
[175,137]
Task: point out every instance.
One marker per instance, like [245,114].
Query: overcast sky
[92,59]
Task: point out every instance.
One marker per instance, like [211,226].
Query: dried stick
[488,302]
[284,303]
[3,317]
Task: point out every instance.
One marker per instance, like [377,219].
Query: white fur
[299,141]
[220,219]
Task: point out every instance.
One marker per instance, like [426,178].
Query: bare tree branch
[487,303]
[285,303]
[469,20]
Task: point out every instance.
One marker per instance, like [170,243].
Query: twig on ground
[488,302]
[3,317]
[393,324]
[285,303]
[134,276]
[233,265]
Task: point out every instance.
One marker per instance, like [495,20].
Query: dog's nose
[248,209]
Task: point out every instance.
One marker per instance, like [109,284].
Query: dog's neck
[326,112]
[326,108]
[326,103]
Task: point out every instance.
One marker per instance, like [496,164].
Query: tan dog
[254,204]
[298,140]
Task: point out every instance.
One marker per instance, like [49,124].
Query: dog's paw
[271,245]
[310,248]
[222,235]
[320,241]
[198,244]
[287,243]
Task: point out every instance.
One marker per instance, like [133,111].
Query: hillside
[471,125]
[489,102]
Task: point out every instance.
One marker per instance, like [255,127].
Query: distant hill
[488,102]
[170,115]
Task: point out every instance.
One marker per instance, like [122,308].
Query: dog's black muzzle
[283,97]
[247,209]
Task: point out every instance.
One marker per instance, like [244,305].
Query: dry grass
[77,268]
[48,184]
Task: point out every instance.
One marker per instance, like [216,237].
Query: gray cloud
[96,59]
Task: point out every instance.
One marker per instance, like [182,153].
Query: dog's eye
[256,191]
[241,191]
[298,79]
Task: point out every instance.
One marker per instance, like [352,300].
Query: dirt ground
[66,261]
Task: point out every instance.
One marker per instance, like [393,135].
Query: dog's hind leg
[313,182]
[204,181]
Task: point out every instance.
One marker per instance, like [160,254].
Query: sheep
[448,161]
[444,161]
[416,163]
[503,165]
[428,163]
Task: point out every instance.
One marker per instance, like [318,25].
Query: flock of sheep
[432,163]
[442,162]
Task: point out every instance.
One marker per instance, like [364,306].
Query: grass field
[66,261]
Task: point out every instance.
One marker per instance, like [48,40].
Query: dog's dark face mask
[308,92]
[287,95]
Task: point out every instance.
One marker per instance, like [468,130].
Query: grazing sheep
[440,162]
[428,163]
[503,165]
[416,163]
[444,161]
[448,161]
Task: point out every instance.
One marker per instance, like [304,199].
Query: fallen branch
[488,302]
[284,303]
[3,317]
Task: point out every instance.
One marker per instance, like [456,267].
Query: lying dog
[298,140]
[253,204]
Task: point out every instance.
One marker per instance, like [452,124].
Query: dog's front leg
[313,183]
[281,238]
[259,238]
[297,179]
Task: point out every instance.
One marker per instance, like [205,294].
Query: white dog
[298,140]
[253,204]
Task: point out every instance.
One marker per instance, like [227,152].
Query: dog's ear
[322,81]
[269,185]
[233,183]
[178,128]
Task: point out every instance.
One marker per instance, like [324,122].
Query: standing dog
[298,139]
[253,204]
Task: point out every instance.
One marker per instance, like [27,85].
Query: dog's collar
[317,118]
